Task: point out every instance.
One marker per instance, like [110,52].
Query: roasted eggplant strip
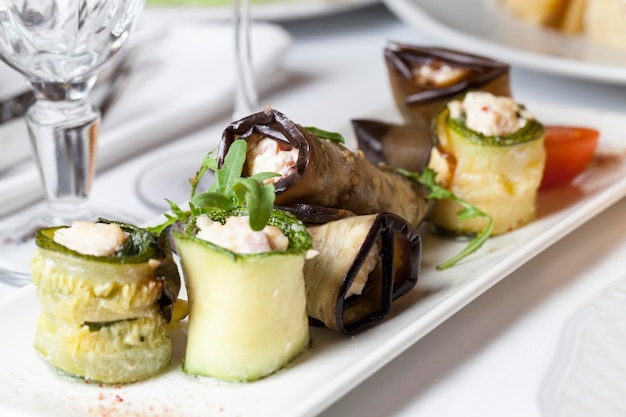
[399,146]
[364,263]
[310,214]
[325,173]
[423,78]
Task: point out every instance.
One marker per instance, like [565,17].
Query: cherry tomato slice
[568,150]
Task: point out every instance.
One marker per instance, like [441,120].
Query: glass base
[169,178]
[17,238]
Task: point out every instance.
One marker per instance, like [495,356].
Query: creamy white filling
[357,286]
[438,75]
[267,156]
[88,238]
[236,235]
[489,114]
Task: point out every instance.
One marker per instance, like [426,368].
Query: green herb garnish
[230,190]
[324,134]
[437,192]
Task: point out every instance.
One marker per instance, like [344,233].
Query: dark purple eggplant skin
[400,253]
[272,124]
[328,174]
[399,146]
[394,285]
[310,214]
[418,102]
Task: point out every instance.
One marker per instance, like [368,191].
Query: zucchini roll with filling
[422,78]
[106,292]
[247,303]
[320,171]
[364,263]
[490,153]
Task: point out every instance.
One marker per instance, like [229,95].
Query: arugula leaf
[437,192]
[178,214]
[259,199]
[209,199]
[209,162]
[230,190]
[324,134]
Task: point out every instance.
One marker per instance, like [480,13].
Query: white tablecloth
[489,359]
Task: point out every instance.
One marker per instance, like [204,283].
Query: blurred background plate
[485,27]
[268,10]
[587,375]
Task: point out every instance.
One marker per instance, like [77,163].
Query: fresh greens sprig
[229,191]
[325,134]
[437,192]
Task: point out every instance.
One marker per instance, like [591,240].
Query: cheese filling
[490,115]
[236,235]
[88,238]
[438,75]
[358,285]
[267,156]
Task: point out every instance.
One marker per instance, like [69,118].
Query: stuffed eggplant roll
[322,172]
[364,263]
[106,292]
[247,303]
[399,146]
[422,78]
[490,153]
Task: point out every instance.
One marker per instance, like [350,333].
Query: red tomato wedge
[568,150]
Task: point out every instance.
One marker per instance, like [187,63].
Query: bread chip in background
[541,12]
[601,21]
[573,16]
[605,22]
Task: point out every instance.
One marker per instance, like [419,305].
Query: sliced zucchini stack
[106,292]
[489,152]
[247,302]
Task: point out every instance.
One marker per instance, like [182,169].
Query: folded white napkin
[184,80]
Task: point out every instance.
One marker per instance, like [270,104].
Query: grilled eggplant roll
[422,79]
[490,153]
[364,263]
[106,292]
[320,171]
[399,146]
[247,303]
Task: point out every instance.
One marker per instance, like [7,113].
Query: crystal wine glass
[176,172]
[59,45]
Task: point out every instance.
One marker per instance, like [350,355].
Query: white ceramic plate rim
[575,356]
[334,364]
[553,53]
[276,11]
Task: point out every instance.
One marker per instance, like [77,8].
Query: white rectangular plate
[334,364]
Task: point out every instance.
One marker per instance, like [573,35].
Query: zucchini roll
[422,79]
[490,153]
[399,146]
[321,171]
[106,292]
[364,263]
[247,303]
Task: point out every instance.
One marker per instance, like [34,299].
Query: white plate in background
[334,364]
[586,377]
[484,27]
[274,10]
